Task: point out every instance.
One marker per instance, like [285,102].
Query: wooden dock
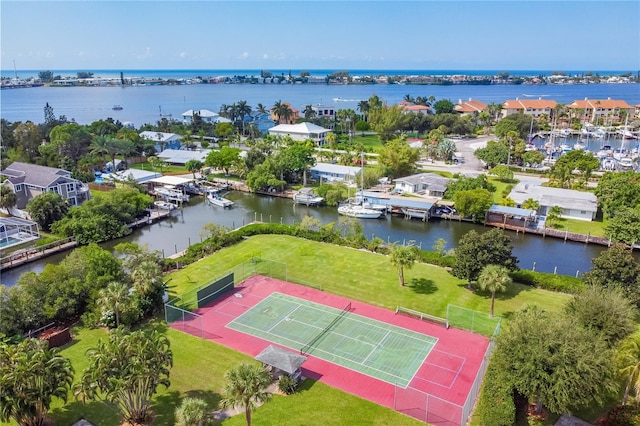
[31,254]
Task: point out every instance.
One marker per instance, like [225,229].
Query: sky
[334,35]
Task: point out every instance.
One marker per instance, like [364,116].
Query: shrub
[553,282]
[287,384]
[621,415]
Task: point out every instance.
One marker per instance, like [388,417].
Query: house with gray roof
[327,172]
[428,184]
[574,204]
[205,115]
[162,140]
[30,180]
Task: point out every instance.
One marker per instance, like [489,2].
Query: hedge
[547,281]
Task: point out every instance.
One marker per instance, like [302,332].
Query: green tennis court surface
[384,351]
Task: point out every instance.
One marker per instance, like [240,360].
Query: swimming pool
[8,241]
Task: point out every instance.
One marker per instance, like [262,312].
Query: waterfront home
[136,175]
[181,156]
[324,111]
[574,204]
[162,140]
[301,132]
[472,107]
[427,184]
[261,120]
[408,107]
[533,107]
[205,115]
[293,117]
[326,172]
[28,181]
[590,110]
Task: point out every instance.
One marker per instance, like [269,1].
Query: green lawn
[362,276]
[594,228]
[198,371]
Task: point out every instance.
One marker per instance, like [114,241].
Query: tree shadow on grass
[165,405]
[422,286]
[96,412]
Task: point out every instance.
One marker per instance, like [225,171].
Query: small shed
[282,359]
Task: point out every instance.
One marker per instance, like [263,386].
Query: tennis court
[380,350]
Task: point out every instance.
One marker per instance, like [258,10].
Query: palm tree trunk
[401,275]
[493,300]
[625,397]
[247,411]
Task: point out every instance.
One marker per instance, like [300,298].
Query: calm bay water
[144,104]
[185,226]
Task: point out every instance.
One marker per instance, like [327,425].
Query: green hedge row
[553,282]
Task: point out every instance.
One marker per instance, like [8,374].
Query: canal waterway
[185,227]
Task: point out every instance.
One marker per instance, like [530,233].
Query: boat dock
[31,254]
[154,216]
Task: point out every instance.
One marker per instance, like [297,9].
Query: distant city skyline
[381,35]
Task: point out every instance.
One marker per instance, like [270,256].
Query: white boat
[625,164]
[171,193]
[306,196]
[609,164]
[217,200]
[579,145]
[164,205]
[359,211]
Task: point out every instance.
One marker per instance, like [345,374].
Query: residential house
[427,184]
[533,107]
[301,132]
[408,107]
[324,111]
[590,110]
[574,204]
[206,116]
[181,156]
[162,140]
[472,107]
[29,180]
[326,172]
[294,117]
[261,120]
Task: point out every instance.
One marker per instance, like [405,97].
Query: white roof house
[574,204]
[181,156]
[160,137]
[430,184]
[335,172]
[140,176]
[206,116]
[301,132]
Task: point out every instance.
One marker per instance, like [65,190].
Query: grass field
[198,371]
[362,276]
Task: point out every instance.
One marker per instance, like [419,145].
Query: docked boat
[359,211]
[171,193]
[164,205]
[219,201]
[307,197]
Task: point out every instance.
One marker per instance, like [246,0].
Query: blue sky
[428,35]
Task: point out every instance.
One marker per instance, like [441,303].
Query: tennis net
[305,349]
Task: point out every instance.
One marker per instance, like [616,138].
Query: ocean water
[146,104]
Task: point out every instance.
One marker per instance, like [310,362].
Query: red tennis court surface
[447,373]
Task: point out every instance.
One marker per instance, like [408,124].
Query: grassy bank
[362,276]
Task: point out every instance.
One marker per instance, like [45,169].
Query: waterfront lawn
[198,371]
[361,275]
[594,228]
[371,143]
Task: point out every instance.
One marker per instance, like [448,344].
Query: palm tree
[246,387]
[403,256]
[146,277]
[628,361]
[31,374]
[192,412]
[261,109]
[99,145]
[309,112]
[243,110]
[114,296]
[193,166]
[8,198]
[494,278]
[363,107]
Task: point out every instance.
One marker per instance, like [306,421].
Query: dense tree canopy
[475,251]
[47,208]
[398,158]
[624,226]
[616,190]
[616,267]
[473,203]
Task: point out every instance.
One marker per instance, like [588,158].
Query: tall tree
[8,198]
[246,388]
[477,250]
[628,364]
[115,297]
[494,278]
[127,370]
[47,208]
[193,166]
[616,267]
[398,158]
[31,375]
[403,257]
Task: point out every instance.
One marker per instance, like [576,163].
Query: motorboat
[219,201]
[625,163]
[359,211]
[171,193]
[308,197]
[164,205]
[117,108]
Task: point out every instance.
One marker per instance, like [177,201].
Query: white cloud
[244,55]
[183,55]
[81,53]
[147,54]
[265,56]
